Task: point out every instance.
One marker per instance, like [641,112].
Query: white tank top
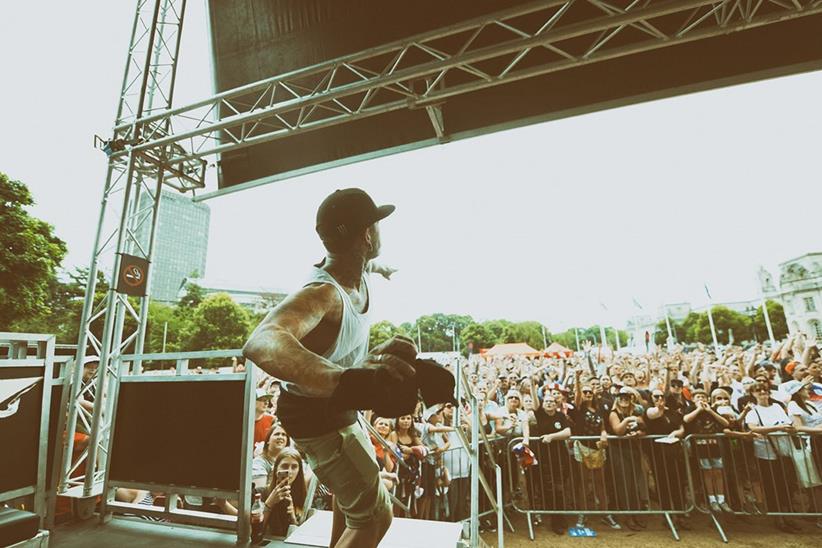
[351,345]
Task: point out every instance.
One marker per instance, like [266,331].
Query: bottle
[257,519]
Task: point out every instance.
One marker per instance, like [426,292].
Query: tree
[193,297]
[217,323]
[478,336]
[778,322]
[382,331]
[31,254]
[529,332]
[165,318]
[437,330]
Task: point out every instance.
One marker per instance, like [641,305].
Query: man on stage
[316,342]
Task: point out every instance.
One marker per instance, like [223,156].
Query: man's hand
[380,382]
[382,270]
[398,346]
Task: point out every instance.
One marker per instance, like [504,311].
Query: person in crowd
[529,408]
[406,438]
[457,463]
[513,422]
[551,430]
[676,398]
[285,503]
[667,457]
[705,421]
[263,420]
[589,420]
[743,394]
[767,418]
[434,436]
[276,439]
[807,418]
[625,457]
[628,378]
[386,459]
[605,396]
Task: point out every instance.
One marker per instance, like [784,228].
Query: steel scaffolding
[411,73]
[147,88]
[154,144]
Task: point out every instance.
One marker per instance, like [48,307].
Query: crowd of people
[592,434]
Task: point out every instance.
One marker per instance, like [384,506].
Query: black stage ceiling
[256,39]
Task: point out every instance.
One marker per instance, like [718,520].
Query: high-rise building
[181,246]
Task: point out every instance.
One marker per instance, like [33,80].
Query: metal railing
[631,476]
[778,475]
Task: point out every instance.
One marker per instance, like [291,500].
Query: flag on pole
[636,303]
[708,293]
[602,304]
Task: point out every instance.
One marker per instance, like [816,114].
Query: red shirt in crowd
[261,426]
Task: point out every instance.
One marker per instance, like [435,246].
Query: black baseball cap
[346,211]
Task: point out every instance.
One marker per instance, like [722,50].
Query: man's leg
[365,537]
[337,525]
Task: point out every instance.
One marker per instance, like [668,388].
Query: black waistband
[310,417]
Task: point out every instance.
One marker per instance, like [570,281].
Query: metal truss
[148,87]
[534,39]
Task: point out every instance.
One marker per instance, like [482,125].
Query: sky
[648,202]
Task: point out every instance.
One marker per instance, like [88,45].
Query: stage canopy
[329,82]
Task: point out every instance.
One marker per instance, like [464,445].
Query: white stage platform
[404,533]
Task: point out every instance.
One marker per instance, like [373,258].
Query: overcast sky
[544,223]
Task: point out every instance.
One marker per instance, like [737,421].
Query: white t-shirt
[456,458]
[812,419]
[772,415]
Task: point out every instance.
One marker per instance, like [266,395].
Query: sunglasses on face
[587,391]
[658,396]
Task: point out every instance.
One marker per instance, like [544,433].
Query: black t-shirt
[669,421]
[587,422]
[684,407]
[555,452]
[704,423]
[549,424]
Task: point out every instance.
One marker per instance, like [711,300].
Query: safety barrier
[777,475]
[631,476]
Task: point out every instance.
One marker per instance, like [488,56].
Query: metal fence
[776,475]
[631,476]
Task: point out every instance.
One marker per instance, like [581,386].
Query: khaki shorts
[345,462]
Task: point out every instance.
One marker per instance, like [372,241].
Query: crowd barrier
[775,475]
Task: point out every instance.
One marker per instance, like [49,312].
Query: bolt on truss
[423,71]
[137,179]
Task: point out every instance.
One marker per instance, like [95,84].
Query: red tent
[511,349]
[556,350]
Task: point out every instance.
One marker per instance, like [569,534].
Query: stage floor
[314,533]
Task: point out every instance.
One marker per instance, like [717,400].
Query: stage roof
[342,81]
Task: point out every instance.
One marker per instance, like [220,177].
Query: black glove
[435,383]
[387,388]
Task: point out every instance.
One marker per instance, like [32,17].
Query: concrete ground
[753,532]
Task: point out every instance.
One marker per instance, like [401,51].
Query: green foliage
[778,322]
[30,256]
[193,297]
[696,327]
[217,323]
[384,330]
[165,317]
